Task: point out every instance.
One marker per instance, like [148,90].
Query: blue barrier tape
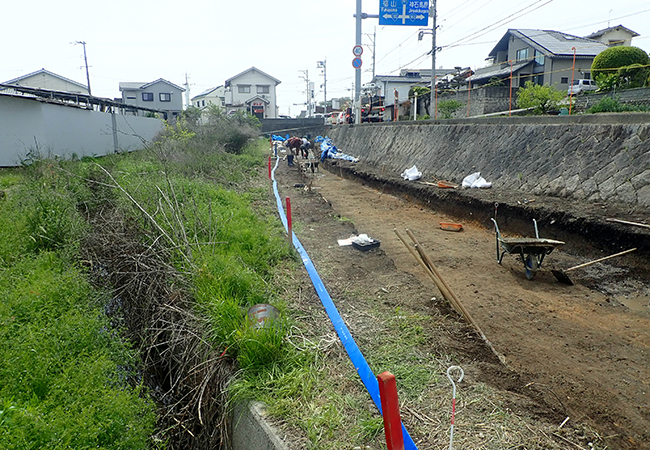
[363,369]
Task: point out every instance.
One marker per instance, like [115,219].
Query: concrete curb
[250,430]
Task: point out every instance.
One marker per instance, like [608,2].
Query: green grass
[63,381]
[64,371]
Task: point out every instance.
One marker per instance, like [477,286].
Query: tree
[632,76]
[424,97]
[607,64]
[541,98]
[193,115]
[448,108]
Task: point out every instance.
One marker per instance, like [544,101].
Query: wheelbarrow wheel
[532,266]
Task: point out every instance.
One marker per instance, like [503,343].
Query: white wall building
[614,36]
[213,96]
[159,94]
[44,79]
[253,91]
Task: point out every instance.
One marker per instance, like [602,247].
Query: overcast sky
[211,41]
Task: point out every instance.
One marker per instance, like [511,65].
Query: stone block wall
[637,96]
[485,100]
[604,157]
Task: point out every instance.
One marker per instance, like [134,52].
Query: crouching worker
[312,160]
[293,145]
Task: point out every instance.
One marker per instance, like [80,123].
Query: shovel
[564,278]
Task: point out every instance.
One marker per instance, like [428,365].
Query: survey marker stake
[390,411]
[453,401]
[289,230]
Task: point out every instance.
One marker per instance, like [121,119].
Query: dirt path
[589,354]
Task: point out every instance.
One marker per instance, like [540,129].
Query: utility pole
[86,63]
[433,106]
[323,65]
[306,78]
[357,71]
[187,92]
[373,39]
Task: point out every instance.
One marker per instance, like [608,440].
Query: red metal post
[289,220]
[270,180]
[390,410]
[573,68]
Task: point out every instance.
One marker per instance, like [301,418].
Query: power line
[465,17]
[452,13]
[615,18]
[503,21]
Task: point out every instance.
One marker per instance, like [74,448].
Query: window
[165,97]
[263,89]
[244,89]
[539,57]
[202,102]
[523,77]
[564,80]
[522,54]
[587,75]
[147,96]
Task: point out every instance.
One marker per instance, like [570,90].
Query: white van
[580,86]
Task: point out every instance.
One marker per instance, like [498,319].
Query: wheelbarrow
[531,250]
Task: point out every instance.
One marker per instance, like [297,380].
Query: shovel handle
[601,259]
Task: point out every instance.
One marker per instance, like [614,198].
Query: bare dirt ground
[570,351]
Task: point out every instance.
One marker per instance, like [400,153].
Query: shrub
[606,81]
[633,75]
[613,105]
[448,108]
[607,63]
[541,98]
[615,57]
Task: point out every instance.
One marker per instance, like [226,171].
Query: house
[614,36]
[160,95]
[541,56]
[390,86]
[213,96]
[254,92]
[394,89]
[44,79]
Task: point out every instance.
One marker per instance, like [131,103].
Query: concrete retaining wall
[272,125]
[28,126]
[603,157]
[494,99]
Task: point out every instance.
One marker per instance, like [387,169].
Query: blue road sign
[356,63]
[404,12]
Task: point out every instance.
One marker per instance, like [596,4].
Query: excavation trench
[575,351]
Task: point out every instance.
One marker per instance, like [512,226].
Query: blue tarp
[329,150]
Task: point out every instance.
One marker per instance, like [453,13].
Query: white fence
[28,126]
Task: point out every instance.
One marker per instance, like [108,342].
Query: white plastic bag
[411,174]
[475,180]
